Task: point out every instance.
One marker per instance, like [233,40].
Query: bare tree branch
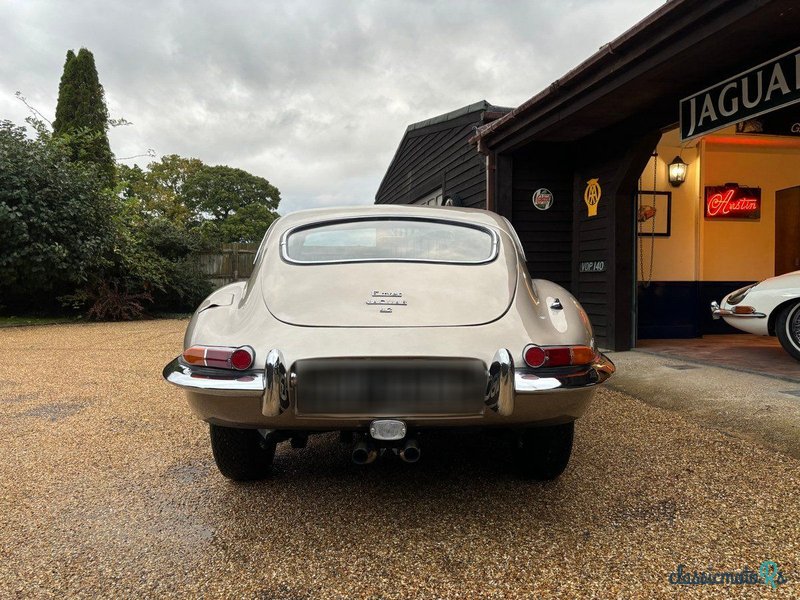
[35,112]
[121,122]
[149,154]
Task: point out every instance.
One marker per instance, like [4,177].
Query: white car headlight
[738,295]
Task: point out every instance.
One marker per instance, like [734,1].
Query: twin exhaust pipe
[366,452]
[410,452]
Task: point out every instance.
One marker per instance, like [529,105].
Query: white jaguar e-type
[384,323]
[771,307]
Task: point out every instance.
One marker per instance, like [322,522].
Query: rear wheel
[787,328]
[241,454]
[542,453]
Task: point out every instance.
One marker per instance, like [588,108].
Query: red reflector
[242,358]
[534,356]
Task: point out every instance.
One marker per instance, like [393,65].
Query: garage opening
[735,220]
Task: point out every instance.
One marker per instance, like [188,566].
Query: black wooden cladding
[679,309]
[546,235]
[615,159]
[438,156]
[594,241]
[555,240]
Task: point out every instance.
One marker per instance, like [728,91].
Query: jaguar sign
[765,88]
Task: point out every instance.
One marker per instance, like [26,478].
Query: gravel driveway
[107,487]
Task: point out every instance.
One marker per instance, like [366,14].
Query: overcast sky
[314,96]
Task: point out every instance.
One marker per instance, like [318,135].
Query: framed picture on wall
[654,213]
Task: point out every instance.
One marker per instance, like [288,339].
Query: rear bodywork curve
[528,311]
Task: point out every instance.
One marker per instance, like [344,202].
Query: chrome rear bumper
[216,382]
[274,386]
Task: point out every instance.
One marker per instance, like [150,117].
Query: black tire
[241,454]
[787,328]
[542,453]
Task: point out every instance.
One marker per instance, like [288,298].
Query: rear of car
[384,322]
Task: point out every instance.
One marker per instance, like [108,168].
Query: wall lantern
[677,171]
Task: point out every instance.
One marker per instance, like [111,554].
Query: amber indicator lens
[196,355]
[582,355]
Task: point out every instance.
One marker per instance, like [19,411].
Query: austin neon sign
[733,202]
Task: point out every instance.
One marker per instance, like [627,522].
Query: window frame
[495,238]
[435,199]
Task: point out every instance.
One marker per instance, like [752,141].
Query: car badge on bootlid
[386,299]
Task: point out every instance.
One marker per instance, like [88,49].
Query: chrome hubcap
[793,325]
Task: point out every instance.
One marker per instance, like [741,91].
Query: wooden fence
[232,262]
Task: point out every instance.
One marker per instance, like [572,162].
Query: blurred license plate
[390,387]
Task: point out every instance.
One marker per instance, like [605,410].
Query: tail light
[557,356]
[221,357]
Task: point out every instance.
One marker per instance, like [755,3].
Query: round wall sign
[543,198]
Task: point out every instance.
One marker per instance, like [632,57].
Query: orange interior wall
[745,250]
[702,250]
[674,257]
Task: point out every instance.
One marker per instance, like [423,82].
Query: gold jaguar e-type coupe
[386,324]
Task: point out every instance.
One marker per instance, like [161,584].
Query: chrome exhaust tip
[363,453]
[410,452]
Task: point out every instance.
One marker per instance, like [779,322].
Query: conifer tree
[81,113]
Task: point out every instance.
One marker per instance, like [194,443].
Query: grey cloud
[315,96]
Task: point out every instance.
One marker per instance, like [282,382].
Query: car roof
[460,215]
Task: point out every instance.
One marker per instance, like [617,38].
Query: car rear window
[389,240]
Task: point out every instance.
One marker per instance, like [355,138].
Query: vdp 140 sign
[760,90]
[592,266]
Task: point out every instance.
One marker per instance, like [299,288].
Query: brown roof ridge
[582,68]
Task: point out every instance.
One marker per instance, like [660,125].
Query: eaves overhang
[672,52]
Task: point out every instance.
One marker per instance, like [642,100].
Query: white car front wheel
[787,328]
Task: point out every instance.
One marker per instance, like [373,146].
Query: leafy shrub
[106,301]
[151,268]
[70,241]
[55,220]
[181,285]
